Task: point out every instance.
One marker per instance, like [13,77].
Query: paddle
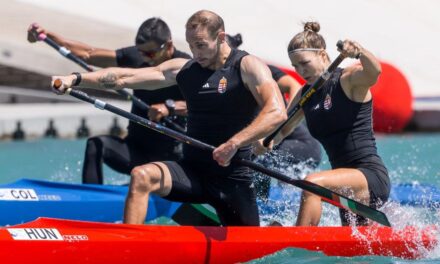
[196,214]
[124,92]
[326,194]
[309,92]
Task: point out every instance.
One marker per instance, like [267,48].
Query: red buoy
[392,100]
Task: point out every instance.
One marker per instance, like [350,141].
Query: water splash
[64,175]
[283,207]
[282,203]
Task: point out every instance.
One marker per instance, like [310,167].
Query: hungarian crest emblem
[327,102]
[222,85]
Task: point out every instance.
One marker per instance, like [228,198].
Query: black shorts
[379,185]
[232,194]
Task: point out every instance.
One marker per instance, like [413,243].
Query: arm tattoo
[108,80]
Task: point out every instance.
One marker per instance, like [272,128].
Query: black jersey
[219,105]
[343,127]
[130,57]
[277,73]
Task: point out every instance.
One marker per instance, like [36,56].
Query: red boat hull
[64,241]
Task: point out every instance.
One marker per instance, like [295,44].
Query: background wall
[403,34]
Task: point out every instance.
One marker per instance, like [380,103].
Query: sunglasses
[151,53]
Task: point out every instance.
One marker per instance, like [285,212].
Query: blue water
[48,159]
[408,157]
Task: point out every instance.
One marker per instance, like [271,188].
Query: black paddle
[124,92]
[309,92]
[326,194]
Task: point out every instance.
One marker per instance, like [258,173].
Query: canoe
[25,200]
[416,194]
[67,241]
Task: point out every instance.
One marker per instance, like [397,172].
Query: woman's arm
[356,80]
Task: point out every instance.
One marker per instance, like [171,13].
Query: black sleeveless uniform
[142,145]
[344,128]
[297,148]
[219,106]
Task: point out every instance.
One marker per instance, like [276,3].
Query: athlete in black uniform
[232,101]
[339,116]
[298,148]
[153,46]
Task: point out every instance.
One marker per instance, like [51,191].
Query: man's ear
[221,37]
[169,44]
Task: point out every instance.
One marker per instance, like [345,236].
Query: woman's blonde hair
[307,39]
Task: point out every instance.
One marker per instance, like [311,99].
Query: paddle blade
[195,215]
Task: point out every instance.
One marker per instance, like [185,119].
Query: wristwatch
[171,106]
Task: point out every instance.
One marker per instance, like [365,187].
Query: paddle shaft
[327,195]
[306,96]
[124,92]
[65,52]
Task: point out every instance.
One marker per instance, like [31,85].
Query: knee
[142,179]
[315,178]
